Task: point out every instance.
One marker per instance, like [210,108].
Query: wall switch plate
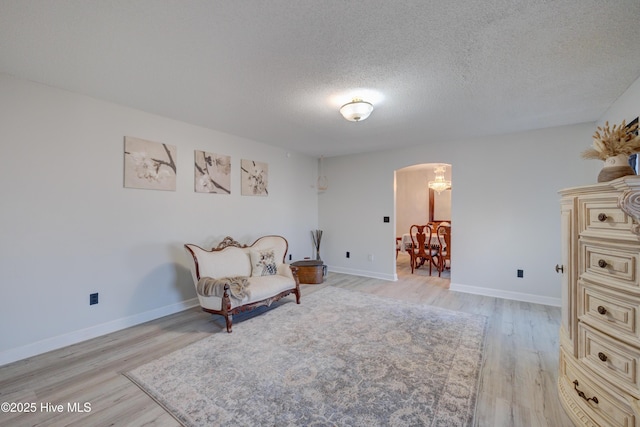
[520,273]
[93,298]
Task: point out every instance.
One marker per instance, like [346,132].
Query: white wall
[504,207]
[626,107]
[69,228]
[412,199]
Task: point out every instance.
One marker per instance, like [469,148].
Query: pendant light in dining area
[439,183]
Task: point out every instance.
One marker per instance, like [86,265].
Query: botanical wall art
[254,177]
[149,165]
[212,173]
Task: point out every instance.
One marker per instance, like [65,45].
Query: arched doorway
[416,203]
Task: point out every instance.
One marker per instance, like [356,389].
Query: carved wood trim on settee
[229,241]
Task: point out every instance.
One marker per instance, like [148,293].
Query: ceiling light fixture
[439,184]
[356,110]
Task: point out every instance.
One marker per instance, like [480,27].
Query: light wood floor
[518,386]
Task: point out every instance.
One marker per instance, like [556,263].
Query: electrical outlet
[348,254]
[520,273]
[370,257]
[290,257]
[93,298]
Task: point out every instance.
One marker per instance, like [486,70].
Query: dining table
[406,243]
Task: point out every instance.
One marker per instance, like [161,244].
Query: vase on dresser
[615,167]
[599,372]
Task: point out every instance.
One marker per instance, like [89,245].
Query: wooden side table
[310,271]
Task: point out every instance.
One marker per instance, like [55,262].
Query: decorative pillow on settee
[263,262]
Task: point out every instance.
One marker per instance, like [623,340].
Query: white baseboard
[488,292]
[54,343]
[497,293]
[363,273]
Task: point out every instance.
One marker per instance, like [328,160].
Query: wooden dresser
[599,378]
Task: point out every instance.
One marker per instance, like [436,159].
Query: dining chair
[444,250]
[421,249]
[398,243]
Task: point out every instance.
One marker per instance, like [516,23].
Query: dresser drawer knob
[602,217]
[602,310]
[581,393]
[602,263]
[602,356]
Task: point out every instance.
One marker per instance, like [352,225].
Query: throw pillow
[263,262]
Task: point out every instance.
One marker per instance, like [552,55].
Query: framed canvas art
[254,178]
[633,159]
[149,165]
[212,173]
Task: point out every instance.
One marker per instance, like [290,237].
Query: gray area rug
[340,358]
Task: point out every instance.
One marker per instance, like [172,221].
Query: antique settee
[233,278]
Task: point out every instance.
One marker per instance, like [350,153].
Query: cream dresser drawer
[589,404]
[601,215]
[609,358]
[612,264]
[608,310]
[599,376]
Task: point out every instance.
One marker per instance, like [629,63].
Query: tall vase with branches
[316,235]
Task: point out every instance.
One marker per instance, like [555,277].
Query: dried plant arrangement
[317,238]
[610,142]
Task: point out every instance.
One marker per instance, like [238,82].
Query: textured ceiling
[277,71]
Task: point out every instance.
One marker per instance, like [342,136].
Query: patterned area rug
[340,358]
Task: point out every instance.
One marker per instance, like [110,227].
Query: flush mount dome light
[356,110]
